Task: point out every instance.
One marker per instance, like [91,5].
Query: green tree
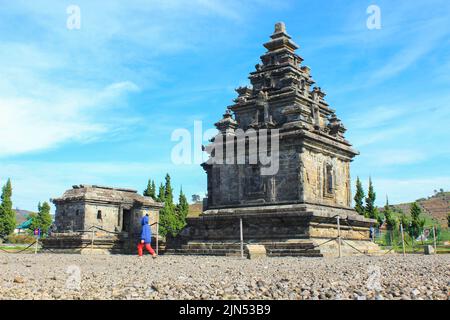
[182,210]
[168,221]
[404,220]
[417,222]
[161,193]
[168,195]
[150,191]
[391,220]
[359,197]
[42,220]
[370,209]
[153,195]
[7,214]
[379,217]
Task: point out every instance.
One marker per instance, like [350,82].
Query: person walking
[146,238]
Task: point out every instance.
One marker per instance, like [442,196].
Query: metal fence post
[241,237]
[403,238]
[339,234]
[36,247]
[434,239]
[157,238]
[92,240]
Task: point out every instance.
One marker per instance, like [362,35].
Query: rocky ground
[50,276]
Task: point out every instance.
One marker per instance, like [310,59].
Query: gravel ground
[50,276]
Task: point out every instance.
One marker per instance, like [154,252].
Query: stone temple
[115,213]
[293,209]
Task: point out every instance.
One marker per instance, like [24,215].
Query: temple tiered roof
[282,96]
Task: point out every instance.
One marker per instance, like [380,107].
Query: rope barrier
[352,228]
[47,249]
[22,250]
[356,248]
[107,231]
[393,247]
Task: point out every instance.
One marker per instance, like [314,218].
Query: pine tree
[167,215]
[359,197]
[161,193]
[182,210]
[391,221]
[7,214]
[147,192]
[42,220]
[150,191]
[417,223]
[370,210]
[153,190]
[168,195]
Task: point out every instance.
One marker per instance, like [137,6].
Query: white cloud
[390,157]
[379,116]
[70,115]
[407,190]
[409,55]
[66,87]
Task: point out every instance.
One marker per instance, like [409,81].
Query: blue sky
[98,105]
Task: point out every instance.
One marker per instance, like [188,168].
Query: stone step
[289,245]
[293,250]
[203,252]
[295,254]
[274,249]
[211,246]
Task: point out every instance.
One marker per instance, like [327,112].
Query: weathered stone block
[256,251]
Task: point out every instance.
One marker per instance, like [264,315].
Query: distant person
[372,232]
[146,238]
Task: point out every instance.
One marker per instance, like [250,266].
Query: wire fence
[398,240]
[413,240]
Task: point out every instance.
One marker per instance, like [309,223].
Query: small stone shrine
[112,216]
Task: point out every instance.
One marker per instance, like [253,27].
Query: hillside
[195,209]
[437,207]
[22,215]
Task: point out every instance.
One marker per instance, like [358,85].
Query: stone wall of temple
[244,184]
[76,216]
[104,216]
[314,179]
[70,216]
[302,177]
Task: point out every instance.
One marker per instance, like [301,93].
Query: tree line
[41,220]
[172,218]
[365,206]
